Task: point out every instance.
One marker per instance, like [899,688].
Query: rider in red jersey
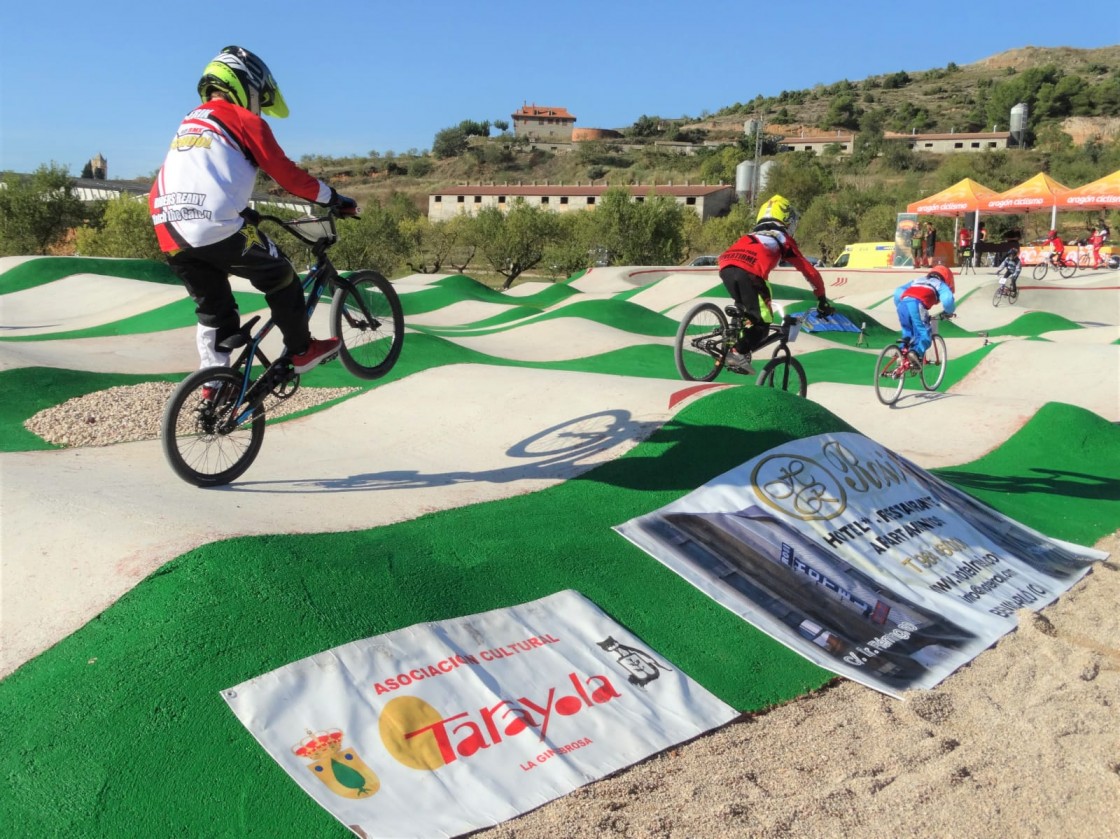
[1058,252]
[745,269]
[200,208]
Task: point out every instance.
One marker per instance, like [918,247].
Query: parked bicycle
[897,364]
[213,425]
[708,333]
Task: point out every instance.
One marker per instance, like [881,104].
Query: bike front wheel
[890,374]
[701,344]
[367,317]
[1039,272]
[997,298]
[199,441]
[937,360]
[785,372]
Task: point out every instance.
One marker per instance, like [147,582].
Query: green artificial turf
[460,287]
[47,269]
[175,315]
[142,744]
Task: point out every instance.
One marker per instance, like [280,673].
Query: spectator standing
[916,239]
[931,244]
[1096,239]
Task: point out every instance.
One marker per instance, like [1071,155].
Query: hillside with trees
[1073,134]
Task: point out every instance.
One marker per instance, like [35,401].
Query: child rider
[199,206]
[914,299]
[745,269]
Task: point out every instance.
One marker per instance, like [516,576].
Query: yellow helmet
[245,80]
[776,211]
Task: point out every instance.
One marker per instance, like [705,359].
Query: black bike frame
[320,276]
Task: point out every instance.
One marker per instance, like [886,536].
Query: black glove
[251,216]
[341,205]
[824,308]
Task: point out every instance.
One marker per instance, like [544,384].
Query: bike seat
[240,338]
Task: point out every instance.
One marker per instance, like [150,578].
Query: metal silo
[1019,123]
[745,180]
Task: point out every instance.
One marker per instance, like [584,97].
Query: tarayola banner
[445,728]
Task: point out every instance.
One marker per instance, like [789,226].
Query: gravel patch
[133,412]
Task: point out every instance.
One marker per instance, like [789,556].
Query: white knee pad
[208,353]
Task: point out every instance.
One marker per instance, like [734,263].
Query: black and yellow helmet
[776,213]
[245,79]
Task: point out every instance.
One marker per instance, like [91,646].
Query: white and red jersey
[208,175]
[759,254]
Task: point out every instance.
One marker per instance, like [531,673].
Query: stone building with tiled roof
[537,122]
[844,141]
[706,201]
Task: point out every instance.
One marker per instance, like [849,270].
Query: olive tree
[649,231]
[431,245]
[125,231]
[515,241]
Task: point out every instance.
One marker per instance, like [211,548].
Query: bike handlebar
[317,231]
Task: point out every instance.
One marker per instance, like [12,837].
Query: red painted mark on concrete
[1068,288]
[840,281]
[682,395]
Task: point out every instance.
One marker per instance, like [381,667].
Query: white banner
[445,728]
[859,560]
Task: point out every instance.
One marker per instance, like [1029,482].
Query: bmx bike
[708,333]
[897,364]
[1005,294]
[213,424]
[1065,266]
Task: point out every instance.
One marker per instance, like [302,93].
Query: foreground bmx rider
[745,268]
[200,208]
[914,299]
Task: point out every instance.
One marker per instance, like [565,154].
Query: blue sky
[116,77]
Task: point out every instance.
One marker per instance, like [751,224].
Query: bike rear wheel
[784,372]
[1067,269]
[701,345]
[369,321]
[890,375]
[197,441]
[936,362]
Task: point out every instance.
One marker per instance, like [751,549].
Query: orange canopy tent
[966,196]
[962,197]
[1037,193]
[1101,194]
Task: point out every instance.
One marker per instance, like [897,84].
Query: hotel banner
[445,728]
[859,560]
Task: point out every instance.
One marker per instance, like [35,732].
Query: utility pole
[756,174]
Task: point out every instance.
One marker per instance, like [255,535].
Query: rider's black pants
[747,289]
[249,253]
